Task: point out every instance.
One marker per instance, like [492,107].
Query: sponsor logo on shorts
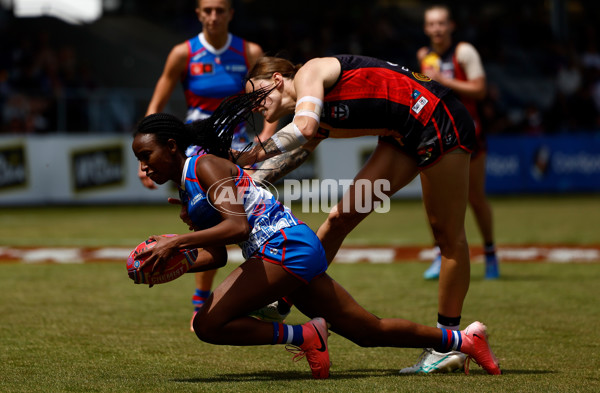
[415,94]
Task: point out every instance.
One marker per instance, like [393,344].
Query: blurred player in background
[210,67]
[458,66]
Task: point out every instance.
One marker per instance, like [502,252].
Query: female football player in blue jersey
[424,131]
[284,257]
[210,67]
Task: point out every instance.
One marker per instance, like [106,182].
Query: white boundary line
[347,255]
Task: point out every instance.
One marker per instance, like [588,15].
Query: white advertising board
[82,169]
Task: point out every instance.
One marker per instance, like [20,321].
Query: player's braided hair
[213,134]
[164,126]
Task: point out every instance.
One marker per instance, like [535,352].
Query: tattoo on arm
[270,147]
[276,167]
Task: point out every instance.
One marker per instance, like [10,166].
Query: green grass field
[87,328]
[532,220]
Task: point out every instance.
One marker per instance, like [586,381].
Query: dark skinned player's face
[156,159]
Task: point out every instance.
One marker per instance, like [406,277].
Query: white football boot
[274,312]
[432,361]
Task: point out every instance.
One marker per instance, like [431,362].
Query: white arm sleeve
[288,138]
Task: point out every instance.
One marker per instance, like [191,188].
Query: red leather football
[179,263]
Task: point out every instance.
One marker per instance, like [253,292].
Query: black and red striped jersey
[377,97]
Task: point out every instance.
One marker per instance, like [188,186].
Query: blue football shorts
[298,250]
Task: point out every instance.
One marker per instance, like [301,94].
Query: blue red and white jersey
[376,97]
[266,215]
[213,75]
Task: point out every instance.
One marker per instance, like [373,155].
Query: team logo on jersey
[415,94]
[340,112]
[420,77]
[201,68]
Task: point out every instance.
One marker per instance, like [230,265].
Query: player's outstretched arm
[276,167]
[209,258]
[173,71]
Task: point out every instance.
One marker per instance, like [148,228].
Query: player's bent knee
[205,331]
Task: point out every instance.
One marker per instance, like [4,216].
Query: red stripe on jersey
[204,103]
[284,245]
[242,53]
[459,73]
[195,160]
[439,134]
[189,57]
[456,133]
[242,177]
[381,83]
[287,269]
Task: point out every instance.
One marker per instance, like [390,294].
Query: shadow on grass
[347,374]
[508,277]
[526,372]
[288,375]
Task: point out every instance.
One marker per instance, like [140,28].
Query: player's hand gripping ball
[175,267]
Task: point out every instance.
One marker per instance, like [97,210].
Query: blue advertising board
[543,164]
